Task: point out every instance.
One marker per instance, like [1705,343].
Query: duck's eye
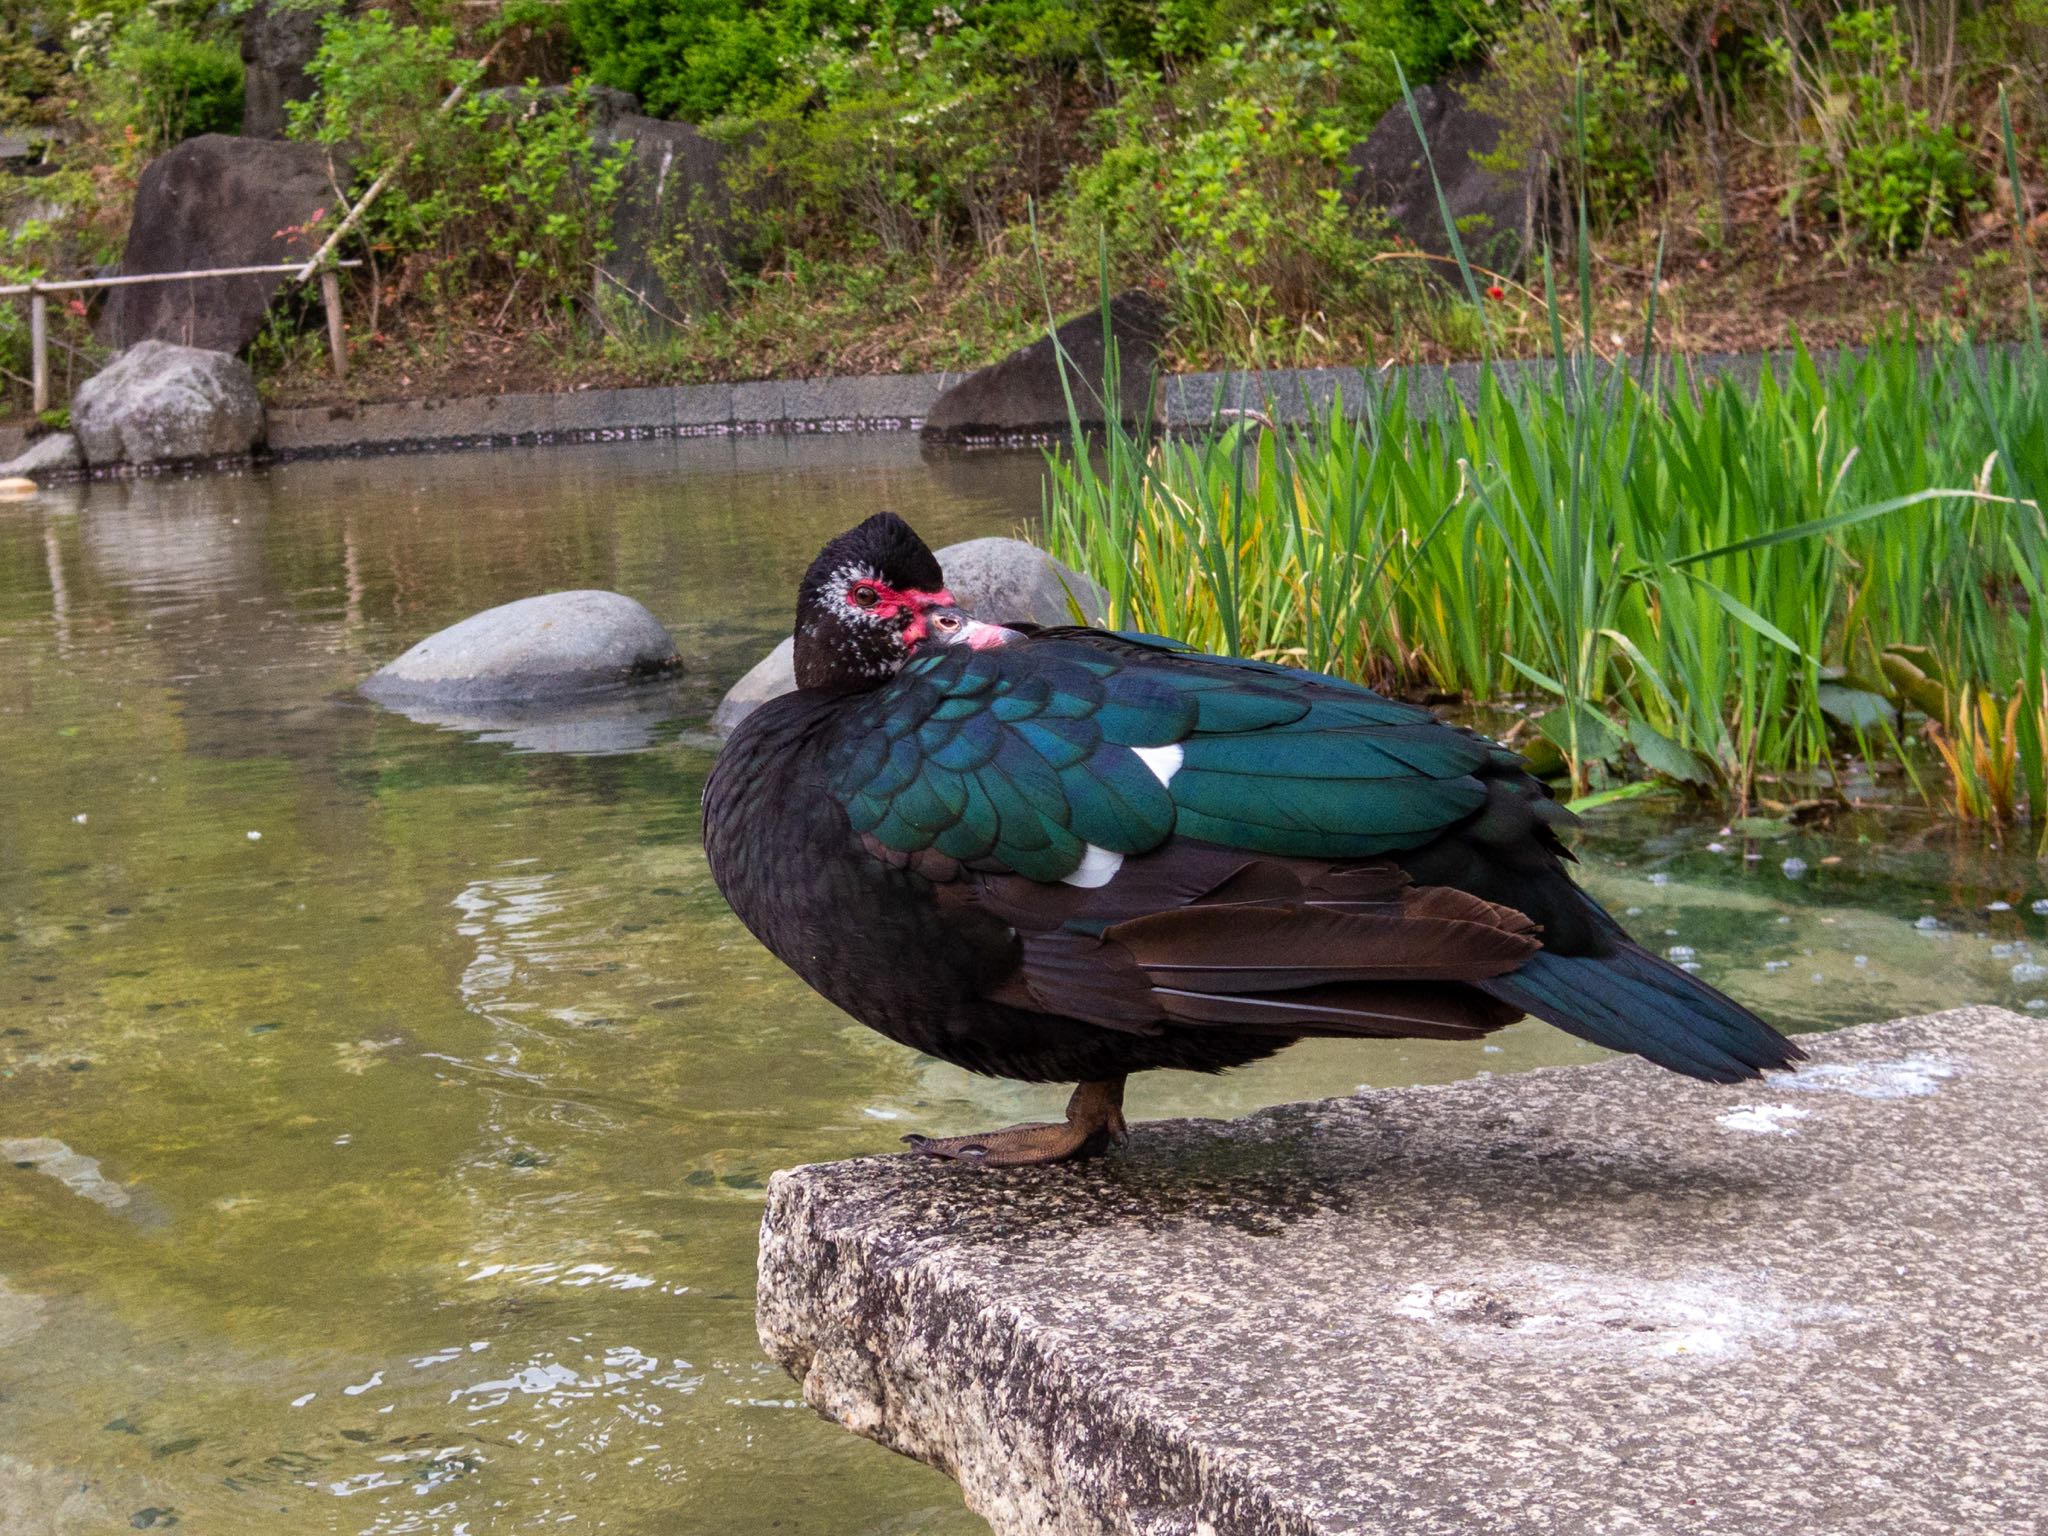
[865,596]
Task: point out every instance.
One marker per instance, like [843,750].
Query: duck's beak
[949,626]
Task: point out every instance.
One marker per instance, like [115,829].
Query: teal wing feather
[1018,757]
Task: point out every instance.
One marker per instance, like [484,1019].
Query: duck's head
[870,599]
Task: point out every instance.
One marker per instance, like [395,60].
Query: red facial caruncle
[884,602]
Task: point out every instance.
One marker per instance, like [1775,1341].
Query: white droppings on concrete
[1762,1119]
[1551,1309]
[1163,761]
[1098,868]
[1909,1077]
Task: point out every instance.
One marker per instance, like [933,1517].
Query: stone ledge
[882,402]
[1585,1299]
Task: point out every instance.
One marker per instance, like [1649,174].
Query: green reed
[1710,580]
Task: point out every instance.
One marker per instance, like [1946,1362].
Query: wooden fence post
[337,342]
[39,347]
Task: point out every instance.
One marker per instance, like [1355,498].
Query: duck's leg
[1094,1124]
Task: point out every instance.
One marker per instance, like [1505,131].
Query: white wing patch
[1098,868]
[1163,761]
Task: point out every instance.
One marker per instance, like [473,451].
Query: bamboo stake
[39,347]
[337,342]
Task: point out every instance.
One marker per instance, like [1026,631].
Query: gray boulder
[1495,211]
[157,403]
[995,578]
[52,454]
[555,646]
[1023,396]
[216,201]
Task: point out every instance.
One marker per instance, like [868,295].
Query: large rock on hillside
[1002,580]
[216,201]
[559,645]
[1495,211]
[158,404]
[278,42]
[670,233]
[1022,394]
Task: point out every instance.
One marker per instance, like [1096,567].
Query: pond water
[385,1109]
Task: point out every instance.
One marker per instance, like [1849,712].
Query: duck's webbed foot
[1094,1124]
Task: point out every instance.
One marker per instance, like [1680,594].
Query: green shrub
[912,140]
[161,81]
[1891,175]
[505,188]
[1594,106]
[30,76]
[1230,180]
[699,59]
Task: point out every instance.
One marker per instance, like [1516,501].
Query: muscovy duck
[1067,855]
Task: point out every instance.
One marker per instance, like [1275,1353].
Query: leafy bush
[30,76]
[160,80]
[911,139]
[698,59]
[1230,181]
[1592,106]
[1888,171]
[506,187]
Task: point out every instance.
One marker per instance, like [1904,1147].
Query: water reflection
[601,725]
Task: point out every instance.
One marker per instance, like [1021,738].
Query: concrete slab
[1597,1299]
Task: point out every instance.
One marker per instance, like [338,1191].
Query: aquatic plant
[1701,579]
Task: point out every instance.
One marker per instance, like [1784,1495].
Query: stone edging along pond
[873,403]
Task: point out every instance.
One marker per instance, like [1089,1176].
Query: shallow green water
[384,1111]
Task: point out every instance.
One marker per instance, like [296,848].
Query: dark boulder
[1495,211]
[278,42]
[670,232]
[1022,395]
[216,201]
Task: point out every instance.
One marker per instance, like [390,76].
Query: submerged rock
[160,403]
[555,646]
[993,578]
[1023,395]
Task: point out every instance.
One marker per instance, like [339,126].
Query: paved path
[1599,1299]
